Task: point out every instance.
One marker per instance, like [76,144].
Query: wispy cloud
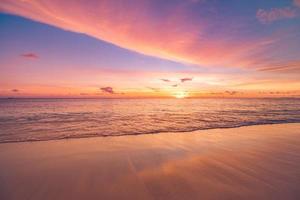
[30,55]
[274,14]
[291,66]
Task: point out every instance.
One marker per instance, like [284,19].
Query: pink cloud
[177,36]
[30,55]
[269,16]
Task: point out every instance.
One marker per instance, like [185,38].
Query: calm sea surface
[46,119]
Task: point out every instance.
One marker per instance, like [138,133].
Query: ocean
[47,119]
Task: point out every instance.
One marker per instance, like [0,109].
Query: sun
[180,95]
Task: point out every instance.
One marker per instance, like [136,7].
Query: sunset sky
[149,48]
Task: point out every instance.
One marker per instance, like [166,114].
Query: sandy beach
[255,162]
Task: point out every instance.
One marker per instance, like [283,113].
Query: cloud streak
[165,80]
[15,90]
[30,55]
[154,89]
[291,66]
[185,79]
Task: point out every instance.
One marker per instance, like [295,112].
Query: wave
[31,120]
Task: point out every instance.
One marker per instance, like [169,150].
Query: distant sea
[48,119]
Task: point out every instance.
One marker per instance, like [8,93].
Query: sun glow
[180,95]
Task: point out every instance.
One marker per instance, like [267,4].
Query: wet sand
[255,162]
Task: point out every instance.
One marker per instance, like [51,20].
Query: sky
[149,48]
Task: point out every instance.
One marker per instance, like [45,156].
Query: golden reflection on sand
[257,162]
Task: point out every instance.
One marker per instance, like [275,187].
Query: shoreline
[139,134]
[252,162]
